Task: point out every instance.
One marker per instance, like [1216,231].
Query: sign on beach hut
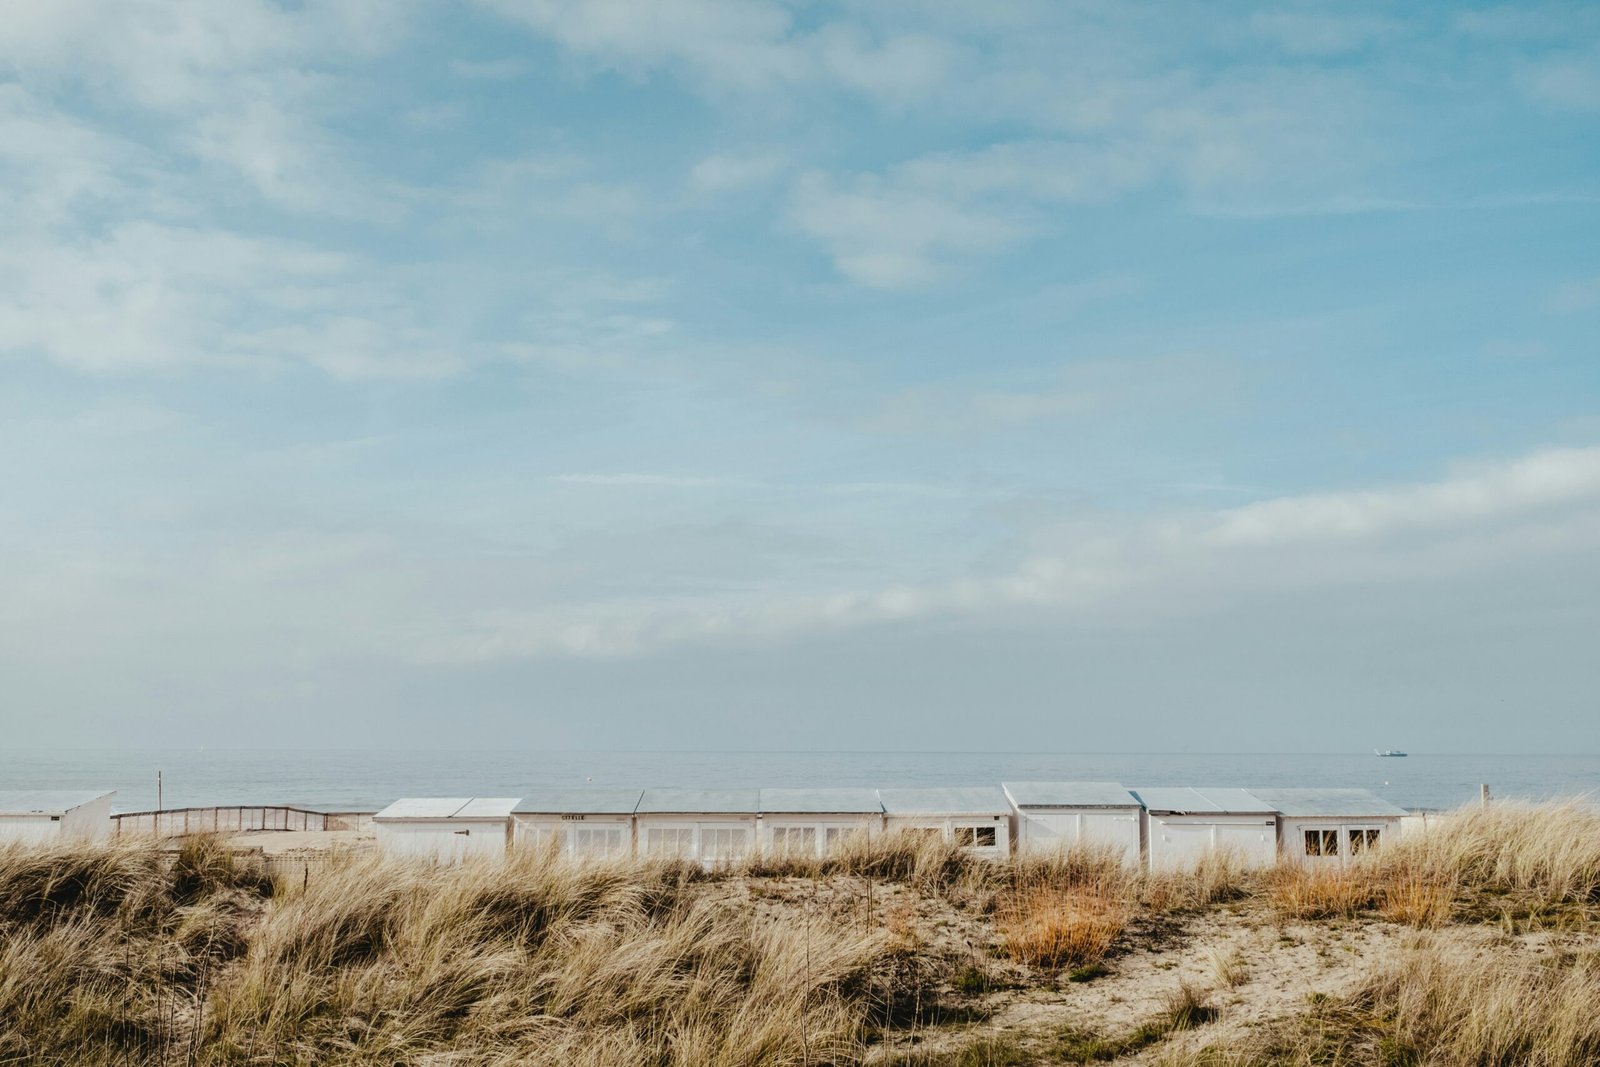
[977,818]
[445,829]
[579,822]
[1326,827]
[709,825]
[40,816]
[1183,825]
[1055,816]
[814,821]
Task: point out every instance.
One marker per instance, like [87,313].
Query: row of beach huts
[1162,828]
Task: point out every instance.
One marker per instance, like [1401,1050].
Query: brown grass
[1054,927]
[1416,901]
[1439,1006]
[1299,893]
[130,954]
[1213,879]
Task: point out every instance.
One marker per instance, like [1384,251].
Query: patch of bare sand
[302,842]
[1250,967]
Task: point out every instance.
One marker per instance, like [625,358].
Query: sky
[740,374]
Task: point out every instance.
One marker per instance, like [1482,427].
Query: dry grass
[1213,879]
[128,954]
[1439,1006]
[1230,968]
[1546,853]
[1299,893]
[1052,927]
[1416,901]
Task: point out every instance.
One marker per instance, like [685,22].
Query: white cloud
[1577,296]
[244,83]
[1570,81]
[903,227]
[153,296]
[1545,479]
[1469,523]
[1316,34]
[732,44]
[727,173]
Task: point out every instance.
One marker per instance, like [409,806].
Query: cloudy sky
[746,374]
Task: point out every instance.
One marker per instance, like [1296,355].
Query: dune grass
[131,953]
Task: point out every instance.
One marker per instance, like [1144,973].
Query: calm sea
[369,779]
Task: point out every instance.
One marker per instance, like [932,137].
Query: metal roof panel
[579,800]
[486,808]
[676,801]
[821,801]
[423,808]
[957,800]
[1310,803]
[48,801]
[1069,795]
[1211,800]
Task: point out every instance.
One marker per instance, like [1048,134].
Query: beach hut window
[596,840]
[669,840]
[797,839]
[976,836]
[834,836]
[1364,840]
[1322,842]
[723,842]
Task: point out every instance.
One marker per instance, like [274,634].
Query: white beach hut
[445,829]
[1325,827]
[40,816]
[709,825]
[813,821]
[582,822]
[1182,825]
[975,817]
[1052,816]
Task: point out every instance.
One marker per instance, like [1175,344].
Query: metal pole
[159,804]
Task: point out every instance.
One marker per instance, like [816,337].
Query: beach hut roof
[486,808]
[423,808]
[1069,795]
[1211,800]
[579,800]
[47,801]
[1310,803]
[841,801]
[700,802]
[957,800]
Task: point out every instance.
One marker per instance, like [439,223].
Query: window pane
[985,837]
[1313,842]
[964,836]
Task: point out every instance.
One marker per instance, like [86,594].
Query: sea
[368,779]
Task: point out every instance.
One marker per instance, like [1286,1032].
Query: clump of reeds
[1054,926]
[1440,1005]
[1297,892]
[1216,877]
[107,950]
[1416,900]
[1549,853]
[603,963]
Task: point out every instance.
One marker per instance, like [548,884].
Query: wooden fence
[177,822]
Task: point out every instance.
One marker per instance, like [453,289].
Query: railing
[177,822]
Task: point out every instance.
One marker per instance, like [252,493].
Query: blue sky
[712,374]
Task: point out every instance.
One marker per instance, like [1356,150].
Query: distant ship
[1387,752]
